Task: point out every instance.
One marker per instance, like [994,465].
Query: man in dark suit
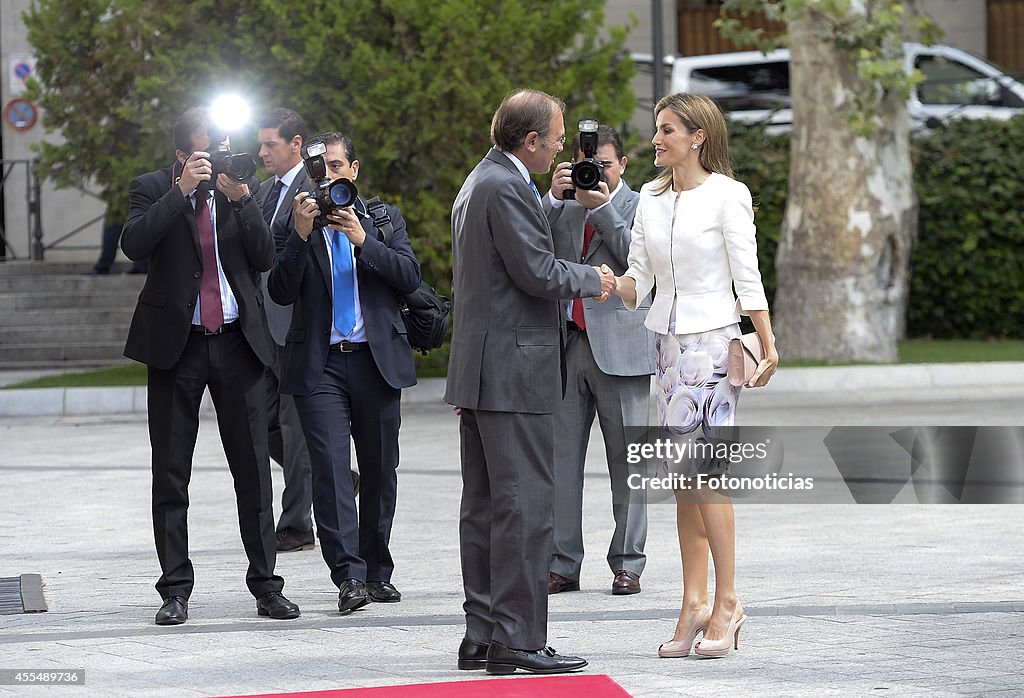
[610,358]
[281,135]
[504,379]
[198,324]
[346,361]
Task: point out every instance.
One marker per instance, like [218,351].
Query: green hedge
[968,264]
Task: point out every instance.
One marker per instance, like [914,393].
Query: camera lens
[239,167]
[586,175]
[342,192]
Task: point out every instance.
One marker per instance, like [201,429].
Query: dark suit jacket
[507,284]
[161,226]
[279,317]
[302,276]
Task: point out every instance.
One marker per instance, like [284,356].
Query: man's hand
[306,211]
[231,188]
[608,282]
[195,170]
[347,222]
[561,180]
[592,198]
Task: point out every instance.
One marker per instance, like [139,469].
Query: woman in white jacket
[693,241]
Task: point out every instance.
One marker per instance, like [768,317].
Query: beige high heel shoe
[720,648]
[681,648]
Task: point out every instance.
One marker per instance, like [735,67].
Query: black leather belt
[573,327]
[232,326]
[347,347]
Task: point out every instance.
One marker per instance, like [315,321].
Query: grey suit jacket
[621,344]
[507,347]
[279,317]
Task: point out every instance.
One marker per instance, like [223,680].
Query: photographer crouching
[342,261]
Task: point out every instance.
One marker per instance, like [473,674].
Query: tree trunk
[843,262]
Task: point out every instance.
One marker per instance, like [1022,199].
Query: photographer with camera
[342,261]
[198,324]
[608,358]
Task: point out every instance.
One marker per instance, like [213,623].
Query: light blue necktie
[341,272]
[536,192]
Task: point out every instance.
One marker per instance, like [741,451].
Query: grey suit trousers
[505,525]
[288,449]
[619,402]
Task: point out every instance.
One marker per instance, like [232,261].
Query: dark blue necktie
[343,277]
[270,205]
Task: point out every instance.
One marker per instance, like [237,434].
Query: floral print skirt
[691,388]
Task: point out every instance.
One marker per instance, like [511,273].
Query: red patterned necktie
[577,304]
[210,310]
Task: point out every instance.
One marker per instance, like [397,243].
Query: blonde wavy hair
[698,111]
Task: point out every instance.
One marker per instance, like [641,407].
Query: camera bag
[424,312]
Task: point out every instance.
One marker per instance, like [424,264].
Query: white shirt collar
[519,165]
[617,188]
[290,175]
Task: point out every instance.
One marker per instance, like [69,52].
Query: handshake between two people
[609,283]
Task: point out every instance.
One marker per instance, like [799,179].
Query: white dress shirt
[696,246]
[227,298]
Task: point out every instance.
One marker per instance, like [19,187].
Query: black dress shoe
[275,605]
[472,655]
[352,595]
[290,541]
[173,612]
[383,592]
[505,660]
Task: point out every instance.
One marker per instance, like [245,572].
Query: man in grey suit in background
[609,357]
[281,135]
[505,372]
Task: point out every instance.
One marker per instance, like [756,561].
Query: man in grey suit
[609,357]
[281,135]
[505,372]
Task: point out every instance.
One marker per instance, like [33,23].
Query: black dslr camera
[329,196]
[238,166]
[588,173]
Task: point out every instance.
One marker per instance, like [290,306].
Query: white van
[749,85]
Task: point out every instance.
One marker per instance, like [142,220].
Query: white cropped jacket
[695,247]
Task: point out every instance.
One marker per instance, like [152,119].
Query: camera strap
[381,220]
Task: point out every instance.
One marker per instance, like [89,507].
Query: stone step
[74,334]
[22,267]
[129,284]
[57,319]
[17,302]
[59,353]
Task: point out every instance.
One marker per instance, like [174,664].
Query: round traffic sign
[20,114]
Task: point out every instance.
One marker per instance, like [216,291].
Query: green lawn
[915,351]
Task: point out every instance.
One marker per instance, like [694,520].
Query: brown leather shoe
[557,583]
[626,582]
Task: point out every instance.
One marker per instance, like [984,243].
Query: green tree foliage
[413,82]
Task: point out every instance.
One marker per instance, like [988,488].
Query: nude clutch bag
[745,354]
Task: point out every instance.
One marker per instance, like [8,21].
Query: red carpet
[528,687]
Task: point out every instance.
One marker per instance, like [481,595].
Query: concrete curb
[840,384]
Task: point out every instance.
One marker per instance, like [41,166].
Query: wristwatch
[240,204]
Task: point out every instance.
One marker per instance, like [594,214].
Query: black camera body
[238,166]
[588,173]
[330,196]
